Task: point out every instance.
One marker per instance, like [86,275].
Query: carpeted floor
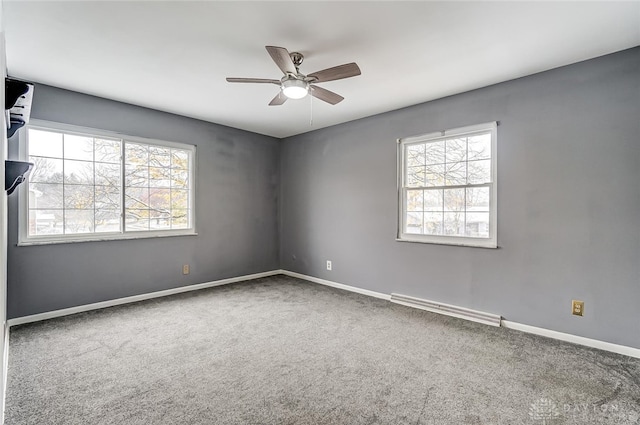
[283,351]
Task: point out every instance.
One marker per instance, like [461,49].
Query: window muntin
[92,185]
[447,187]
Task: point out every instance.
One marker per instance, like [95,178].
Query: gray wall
[236,212]
[568,206]
[568,202]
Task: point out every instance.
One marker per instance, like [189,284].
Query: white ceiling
[174,56]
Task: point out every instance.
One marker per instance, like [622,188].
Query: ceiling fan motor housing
[296,58]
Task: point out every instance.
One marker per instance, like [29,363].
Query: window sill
[94,238]
[452,243]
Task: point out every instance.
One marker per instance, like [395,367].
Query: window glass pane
[456,150]
[160,199]
[46,222]
[45,143]
[415,155]
[434,153]
[78,221]
[108,150]
[433,200]
[454,223]
[78,197]
[46,170]
[159,220]
[477,225]
[159,177]
[136,219]
[478,199]
[78,172]
[454,199]
[136,154]
[136,175]
[180,219]
[108,198]
[433,223]
[480,147]
[45,195]
[107,221]
[179,199]
[180,158]
[435,175]
[136,197]
[414,222]
[107,174]
[414,200]
[78,147]
[415,177]
[159,157]
[479,171]
[456,174]
[180,179]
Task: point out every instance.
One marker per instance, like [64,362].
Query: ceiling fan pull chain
[311,109]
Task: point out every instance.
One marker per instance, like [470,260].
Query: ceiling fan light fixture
[295,89]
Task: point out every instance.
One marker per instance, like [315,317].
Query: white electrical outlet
[185,269]
[329,265]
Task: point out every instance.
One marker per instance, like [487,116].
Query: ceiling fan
[295,85]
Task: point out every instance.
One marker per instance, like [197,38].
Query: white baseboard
[580,340]
[602,345]
[135,298]
[337,285]
[593,343]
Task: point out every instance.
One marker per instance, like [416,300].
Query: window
[447,187]
[93,185]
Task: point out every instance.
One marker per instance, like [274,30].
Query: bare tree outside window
[156,187]
[447,186]
[82,184]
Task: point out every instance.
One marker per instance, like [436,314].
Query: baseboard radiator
[449,310]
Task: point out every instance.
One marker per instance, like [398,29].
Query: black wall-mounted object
[17,101]
[14,174]
[17,105]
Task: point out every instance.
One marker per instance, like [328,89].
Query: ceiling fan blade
[278,100]
[253,80]
[326,95]
[281,57]
[336,73]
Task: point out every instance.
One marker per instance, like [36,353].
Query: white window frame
[491,241]
[24,239]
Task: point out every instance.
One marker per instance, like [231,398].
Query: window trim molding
[492,240]
[23,208]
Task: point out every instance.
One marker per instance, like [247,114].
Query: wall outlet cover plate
[577,307]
